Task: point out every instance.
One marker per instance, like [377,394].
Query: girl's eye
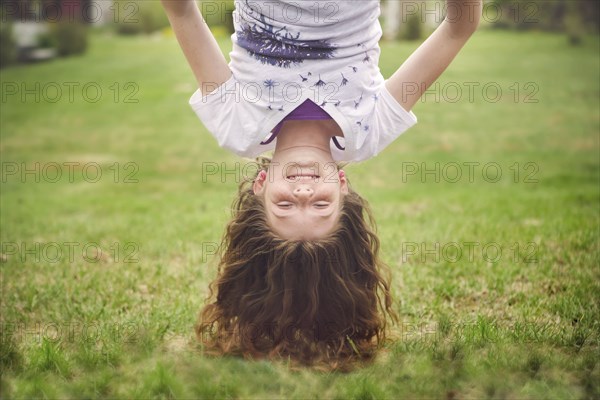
[321,205]
[284,205]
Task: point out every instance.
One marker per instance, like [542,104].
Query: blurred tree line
[415,19]
[66,31]
[548,15]
[63,25]
[30,25]
[147,16]
[574,17]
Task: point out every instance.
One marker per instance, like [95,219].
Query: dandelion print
[357,103]
[336,103]
[344,80]
[270,84]
[319,82]
[353,68]
[280,47]
[303,78]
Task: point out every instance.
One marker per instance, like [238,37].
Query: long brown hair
[324,303]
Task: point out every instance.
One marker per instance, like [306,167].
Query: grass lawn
[114,197]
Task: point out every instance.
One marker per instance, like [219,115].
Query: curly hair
[323,303]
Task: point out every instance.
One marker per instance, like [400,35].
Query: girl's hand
[431,59]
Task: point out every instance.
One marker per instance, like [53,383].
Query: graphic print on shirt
[279,47]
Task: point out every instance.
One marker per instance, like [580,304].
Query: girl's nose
[303,191]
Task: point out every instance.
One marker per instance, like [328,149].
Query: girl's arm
[427,63]
[198,44]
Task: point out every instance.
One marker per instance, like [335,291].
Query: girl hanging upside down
[300,275]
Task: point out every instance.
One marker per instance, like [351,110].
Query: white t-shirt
[285,52]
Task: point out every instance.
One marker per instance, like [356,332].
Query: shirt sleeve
[222,113]
[391,119]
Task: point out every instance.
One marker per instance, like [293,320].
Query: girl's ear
[343,181]
[258,186]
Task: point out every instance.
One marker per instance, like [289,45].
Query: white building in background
[26,33]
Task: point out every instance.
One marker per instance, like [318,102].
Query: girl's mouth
[303,176]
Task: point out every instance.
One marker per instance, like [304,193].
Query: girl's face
[303,200]
[303,190]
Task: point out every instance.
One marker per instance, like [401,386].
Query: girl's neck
[314,134]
